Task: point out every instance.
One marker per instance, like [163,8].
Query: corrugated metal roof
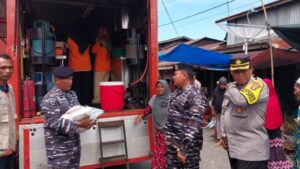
[200,39]
[175,39]
[208,46]
[260,45]
[243,14]
[282,57]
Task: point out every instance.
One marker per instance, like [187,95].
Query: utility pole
[270,43]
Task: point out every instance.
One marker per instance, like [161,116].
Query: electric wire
[170,18]
[227,8]
[193,15]
[205,18]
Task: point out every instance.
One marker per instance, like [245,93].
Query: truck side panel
[12,49]
[153,53]
[33,152]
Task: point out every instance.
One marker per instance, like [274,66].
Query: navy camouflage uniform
[62,141]
[184,127]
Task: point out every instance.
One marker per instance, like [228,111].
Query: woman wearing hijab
[273,122]
[158,106]
[217,101]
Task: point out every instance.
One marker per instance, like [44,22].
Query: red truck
[131,22]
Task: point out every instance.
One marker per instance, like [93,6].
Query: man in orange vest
[80,62]
[102,61]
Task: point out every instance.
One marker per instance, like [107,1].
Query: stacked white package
[78,112]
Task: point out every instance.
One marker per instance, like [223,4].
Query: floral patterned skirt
[159,157]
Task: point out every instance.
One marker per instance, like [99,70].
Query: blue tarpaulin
[198,57]
[160,54]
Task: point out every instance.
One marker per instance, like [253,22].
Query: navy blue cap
[185,67]
[62,72]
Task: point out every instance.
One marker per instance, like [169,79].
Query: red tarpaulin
[282,57]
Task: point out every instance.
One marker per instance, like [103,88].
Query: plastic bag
[78,112]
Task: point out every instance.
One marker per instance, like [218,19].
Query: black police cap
[185,67]
[62,72]
[240,62]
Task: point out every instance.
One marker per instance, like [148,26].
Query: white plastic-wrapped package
[95,113]
[78,112]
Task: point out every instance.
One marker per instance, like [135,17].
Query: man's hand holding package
[86,123]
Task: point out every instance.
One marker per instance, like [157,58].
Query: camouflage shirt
[185,120]
[62,141]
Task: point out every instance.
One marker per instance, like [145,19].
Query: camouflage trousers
[192,159]
[69,160]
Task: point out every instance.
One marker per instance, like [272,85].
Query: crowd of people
[248,120]
[247,111]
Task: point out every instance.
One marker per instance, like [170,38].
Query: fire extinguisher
[29,108]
